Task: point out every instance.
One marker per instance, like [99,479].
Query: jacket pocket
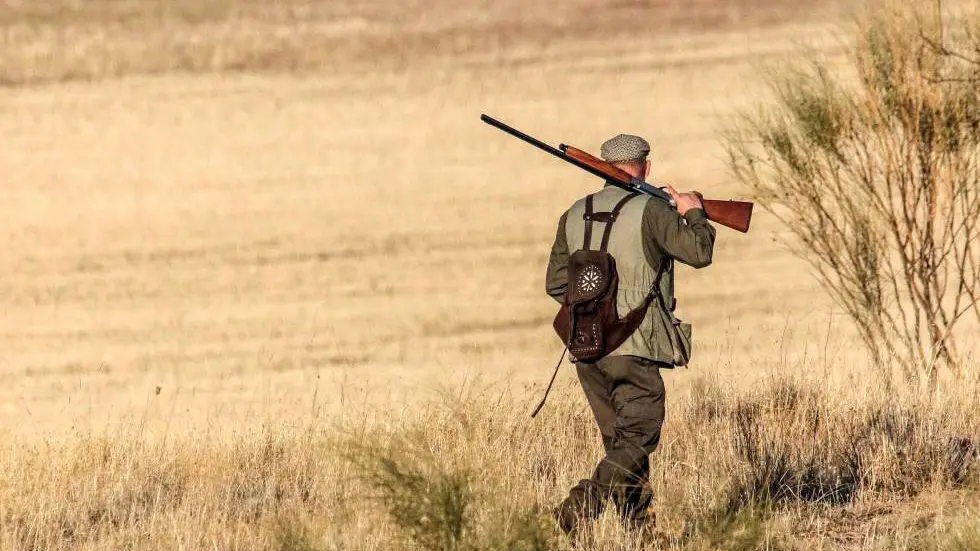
[681,343]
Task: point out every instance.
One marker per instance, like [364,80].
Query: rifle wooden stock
[612,171]
[736,215]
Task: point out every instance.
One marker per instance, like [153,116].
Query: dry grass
[473,471]
[218,289]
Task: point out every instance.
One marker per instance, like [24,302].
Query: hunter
[624,388]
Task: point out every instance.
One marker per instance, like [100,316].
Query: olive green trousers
[627,397]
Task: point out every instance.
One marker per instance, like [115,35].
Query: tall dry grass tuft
[439,509]
[125,490]
[790,463]
[793,445]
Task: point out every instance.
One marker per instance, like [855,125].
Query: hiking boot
[582,505]
[569,520]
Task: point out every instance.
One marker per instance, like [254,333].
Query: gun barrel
[542,146]
[520,135]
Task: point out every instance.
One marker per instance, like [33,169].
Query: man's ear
[646,169]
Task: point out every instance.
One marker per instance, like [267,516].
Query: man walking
[624,389]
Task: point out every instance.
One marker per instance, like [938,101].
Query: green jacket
[647,234]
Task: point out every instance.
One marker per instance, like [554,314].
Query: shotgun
[736,215]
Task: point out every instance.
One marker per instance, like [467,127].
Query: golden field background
[244,238]
[235,234]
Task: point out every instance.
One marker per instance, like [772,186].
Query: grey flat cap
[623,148]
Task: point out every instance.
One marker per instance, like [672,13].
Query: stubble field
[238,242]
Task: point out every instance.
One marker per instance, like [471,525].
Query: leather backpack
[588,322]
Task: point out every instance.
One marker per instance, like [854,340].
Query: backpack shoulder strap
[587,243]
[612,218]
[667,267]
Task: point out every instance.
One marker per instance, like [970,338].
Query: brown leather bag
[588,322]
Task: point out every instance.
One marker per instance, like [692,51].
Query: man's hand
[685,201]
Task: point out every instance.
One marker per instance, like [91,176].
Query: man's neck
[629,169]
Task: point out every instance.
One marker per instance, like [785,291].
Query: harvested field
[238,234]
